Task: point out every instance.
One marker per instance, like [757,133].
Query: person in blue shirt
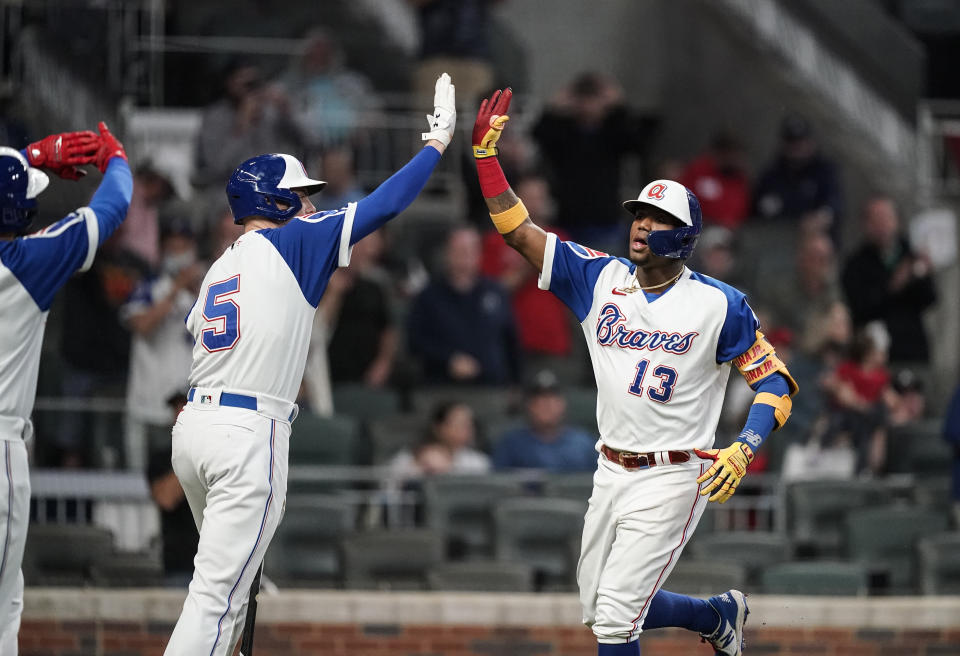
[33,267]
[545,441]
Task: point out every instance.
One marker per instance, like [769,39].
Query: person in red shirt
[719,180]
[861,397]
[542,319]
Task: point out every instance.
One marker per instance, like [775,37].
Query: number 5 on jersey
[224,315]
[662,393]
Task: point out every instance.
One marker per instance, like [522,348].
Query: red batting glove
[490,121]
[109,148]
[63,153]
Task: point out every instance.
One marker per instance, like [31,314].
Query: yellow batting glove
[728,469]
[488,127]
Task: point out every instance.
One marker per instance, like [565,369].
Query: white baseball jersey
[253,318]
[661,365]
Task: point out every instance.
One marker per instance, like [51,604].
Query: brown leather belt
[630,460]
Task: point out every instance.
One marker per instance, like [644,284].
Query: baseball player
[32,268]
[662,339]
[252,325]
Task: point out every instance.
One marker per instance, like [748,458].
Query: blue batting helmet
[260,182]
[679,202]
[19,187]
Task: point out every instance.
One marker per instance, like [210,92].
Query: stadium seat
[485,401]
[65,554]
[388,435]
[939,557]
[128,570]
[933,492]
[390,559]
[306,548]
[705,577]
[461,509]
[884,540]
[578,486]
[538,532]
[582,408]
[364,403]
[319,440]
[761,550]
[919,448]
[481,576]
[816,578]
[816,510]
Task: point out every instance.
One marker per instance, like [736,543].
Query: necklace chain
[663,284]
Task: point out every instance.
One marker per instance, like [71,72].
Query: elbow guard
[760,361]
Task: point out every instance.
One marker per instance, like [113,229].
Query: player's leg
[599,527]
[656,515]
[247,466]
[14,518]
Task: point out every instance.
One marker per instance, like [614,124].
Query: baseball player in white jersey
[661,339]
[252,325]
[33,267]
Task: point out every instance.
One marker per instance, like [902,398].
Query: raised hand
[109,148]
[491,119]
[444,117]
[64,153]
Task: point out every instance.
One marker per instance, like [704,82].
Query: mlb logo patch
[206,399]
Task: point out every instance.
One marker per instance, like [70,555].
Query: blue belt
[232,400]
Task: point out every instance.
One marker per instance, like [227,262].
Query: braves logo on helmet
[657,191]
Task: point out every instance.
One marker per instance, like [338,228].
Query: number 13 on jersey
[664,391]
[223,314]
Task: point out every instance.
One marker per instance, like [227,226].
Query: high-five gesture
[444,118]
[109,148]
[490,121]
[64,153]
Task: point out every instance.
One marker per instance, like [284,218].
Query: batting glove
[444,117]
[490,121]
[728,469]
[109,148]
[63,153]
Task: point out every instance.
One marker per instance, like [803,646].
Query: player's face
[646,221]
[307,206]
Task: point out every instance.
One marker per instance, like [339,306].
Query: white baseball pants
[636,525]
[14,519]
[232,464]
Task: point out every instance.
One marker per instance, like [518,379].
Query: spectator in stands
[911,403]
[139,234]
[356,308]
[584,134]
[178,530]
[161,348]
[884,279]
[337,170]
[801,184]
[716,256]
[861,397]
[454,38]
[460,326]
[223,233]
[250,118]
[810,288]
[543,323]
[545,441]
[719,179]
[951,433]
[95,347]
[447,448]
[327,99]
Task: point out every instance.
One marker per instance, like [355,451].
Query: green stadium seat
[754,549]
[705,577]
[317,440]
[939,557]
[390,559]
[481,576]
[816,578]
[884,540]
[65,554]
[365,403]
[388,435]
[577,485]
[306,548]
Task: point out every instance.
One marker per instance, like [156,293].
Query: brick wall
[52,638]
[138,623]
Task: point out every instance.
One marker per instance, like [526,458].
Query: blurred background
[822,139]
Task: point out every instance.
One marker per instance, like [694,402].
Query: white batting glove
[444,117]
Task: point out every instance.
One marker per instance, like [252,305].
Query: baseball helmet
[679,202]
[20,184]
[261,181]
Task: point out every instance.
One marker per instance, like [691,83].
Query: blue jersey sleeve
[112,198]
[571,271]
[313,246]
[394,195]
